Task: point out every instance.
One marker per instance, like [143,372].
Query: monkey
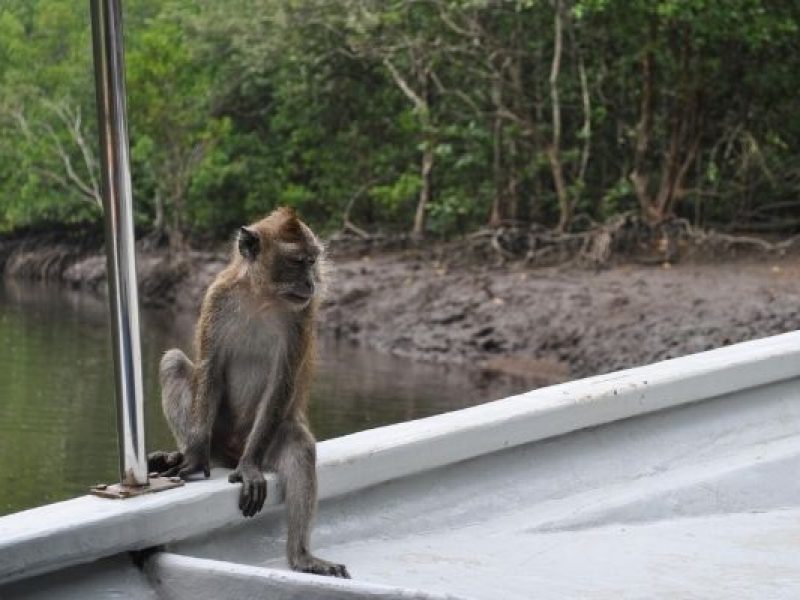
[242,403]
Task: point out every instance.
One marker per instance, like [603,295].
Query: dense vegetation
[429,116]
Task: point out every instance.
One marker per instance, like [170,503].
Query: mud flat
[562,322]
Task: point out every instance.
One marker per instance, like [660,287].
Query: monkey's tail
[176,374]
[175,364]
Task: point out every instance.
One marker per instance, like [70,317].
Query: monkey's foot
[308,563]
[171,464]
[161,461]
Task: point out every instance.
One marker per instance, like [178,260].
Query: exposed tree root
[625,236]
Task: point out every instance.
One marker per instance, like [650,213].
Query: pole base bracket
[121,491]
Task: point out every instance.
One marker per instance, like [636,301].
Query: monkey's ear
[249,244]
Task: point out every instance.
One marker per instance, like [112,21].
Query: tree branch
[415,98]
[72,124]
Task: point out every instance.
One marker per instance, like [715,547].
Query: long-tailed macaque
[243,402]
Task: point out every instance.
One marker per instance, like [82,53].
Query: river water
[57,413]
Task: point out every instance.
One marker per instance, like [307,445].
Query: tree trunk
[554,149]
[586,102]
[638,176]
[512,194]
[176,238]
[564,201]
[517,101]
[684,136]
[178,200]
[426,168]
[497,213]
[159,223]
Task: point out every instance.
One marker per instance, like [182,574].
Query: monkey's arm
[249,470]
[284,398]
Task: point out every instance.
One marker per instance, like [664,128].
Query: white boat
[673,480]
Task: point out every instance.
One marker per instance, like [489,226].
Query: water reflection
[57,424]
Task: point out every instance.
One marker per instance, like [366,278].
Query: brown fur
[243,403]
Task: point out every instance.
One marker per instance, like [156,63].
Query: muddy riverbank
[539,324]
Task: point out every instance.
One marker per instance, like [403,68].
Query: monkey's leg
[176,374]
[293,456]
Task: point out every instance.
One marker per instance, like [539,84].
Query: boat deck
[700,501]
[675,480]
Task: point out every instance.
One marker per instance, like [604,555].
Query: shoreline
[540,325]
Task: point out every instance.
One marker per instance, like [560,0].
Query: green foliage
[397,193]
[240,106]
[618,198]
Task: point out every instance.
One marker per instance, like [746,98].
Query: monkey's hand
[193,462]
[254,488]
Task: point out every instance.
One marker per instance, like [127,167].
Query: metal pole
[109,65]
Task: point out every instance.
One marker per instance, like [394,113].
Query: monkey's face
[295,274]
[283,254]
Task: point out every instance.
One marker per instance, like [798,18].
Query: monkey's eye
[304,260]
